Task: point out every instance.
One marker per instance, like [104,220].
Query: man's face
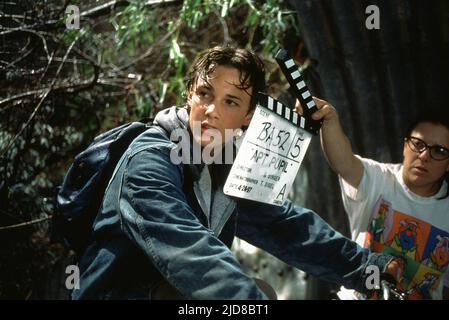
[421,173]
[218,105]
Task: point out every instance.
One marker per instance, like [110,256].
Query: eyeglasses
[437,152]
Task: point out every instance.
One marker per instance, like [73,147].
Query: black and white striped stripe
[296,81]
[282,110]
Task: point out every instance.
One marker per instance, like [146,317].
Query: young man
[400,209]
[165,228]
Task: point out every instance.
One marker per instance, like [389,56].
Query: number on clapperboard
[296,148]
[286,135]
[244,188]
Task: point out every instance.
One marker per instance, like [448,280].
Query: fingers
[298,107]
[395,269]
[325,112]
[325,109]
[320,103]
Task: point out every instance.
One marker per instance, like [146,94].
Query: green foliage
[273,20]
[140,27]
[125,64]
[134,27]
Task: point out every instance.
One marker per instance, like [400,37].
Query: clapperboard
[275,143]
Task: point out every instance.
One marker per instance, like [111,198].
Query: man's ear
[248,118]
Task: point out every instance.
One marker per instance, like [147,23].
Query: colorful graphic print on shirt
[421,248]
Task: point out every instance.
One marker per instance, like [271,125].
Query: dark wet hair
[435,115]
[250,66]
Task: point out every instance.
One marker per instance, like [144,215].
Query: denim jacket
[152,228]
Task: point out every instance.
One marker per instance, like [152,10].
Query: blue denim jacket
[151,229]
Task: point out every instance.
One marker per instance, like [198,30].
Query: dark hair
[250,66]
[432,115]
[435,115]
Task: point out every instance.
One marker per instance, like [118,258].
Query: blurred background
[64,80]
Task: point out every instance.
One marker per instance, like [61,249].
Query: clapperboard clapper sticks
[275,143]
[296,81]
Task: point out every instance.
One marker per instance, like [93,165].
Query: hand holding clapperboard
[274,144]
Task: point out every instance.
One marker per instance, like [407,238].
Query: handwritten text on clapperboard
[269,156]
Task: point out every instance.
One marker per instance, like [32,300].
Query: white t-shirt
[386,216]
